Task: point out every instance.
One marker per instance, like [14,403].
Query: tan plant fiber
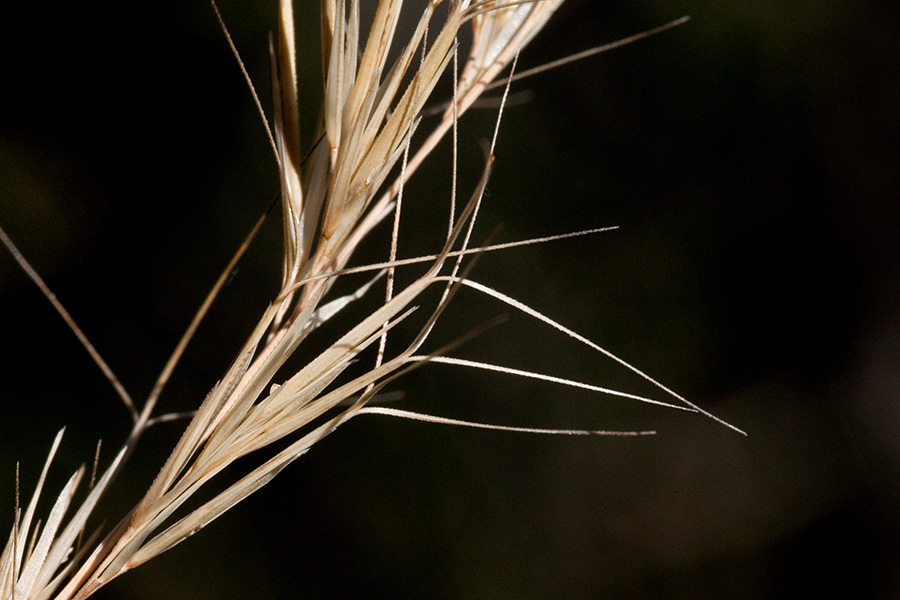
[375,90]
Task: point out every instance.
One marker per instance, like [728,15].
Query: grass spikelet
[334,190]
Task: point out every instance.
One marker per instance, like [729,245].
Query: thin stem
[70,322]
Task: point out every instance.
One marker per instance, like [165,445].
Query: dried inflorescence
[332,196]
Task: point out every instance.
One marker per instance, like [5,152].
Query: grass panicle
[335,189]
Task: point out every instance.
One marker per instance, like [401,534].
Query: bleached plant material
[332,196]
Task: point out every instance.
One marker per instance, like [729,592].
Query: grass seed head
[335,189]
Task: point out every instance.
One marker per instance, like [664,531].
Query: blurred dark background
[750,160]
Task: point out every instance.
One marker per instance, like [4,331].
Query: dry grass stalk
[330,201]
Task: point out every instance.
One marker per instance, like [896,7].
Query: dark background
[750,159]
